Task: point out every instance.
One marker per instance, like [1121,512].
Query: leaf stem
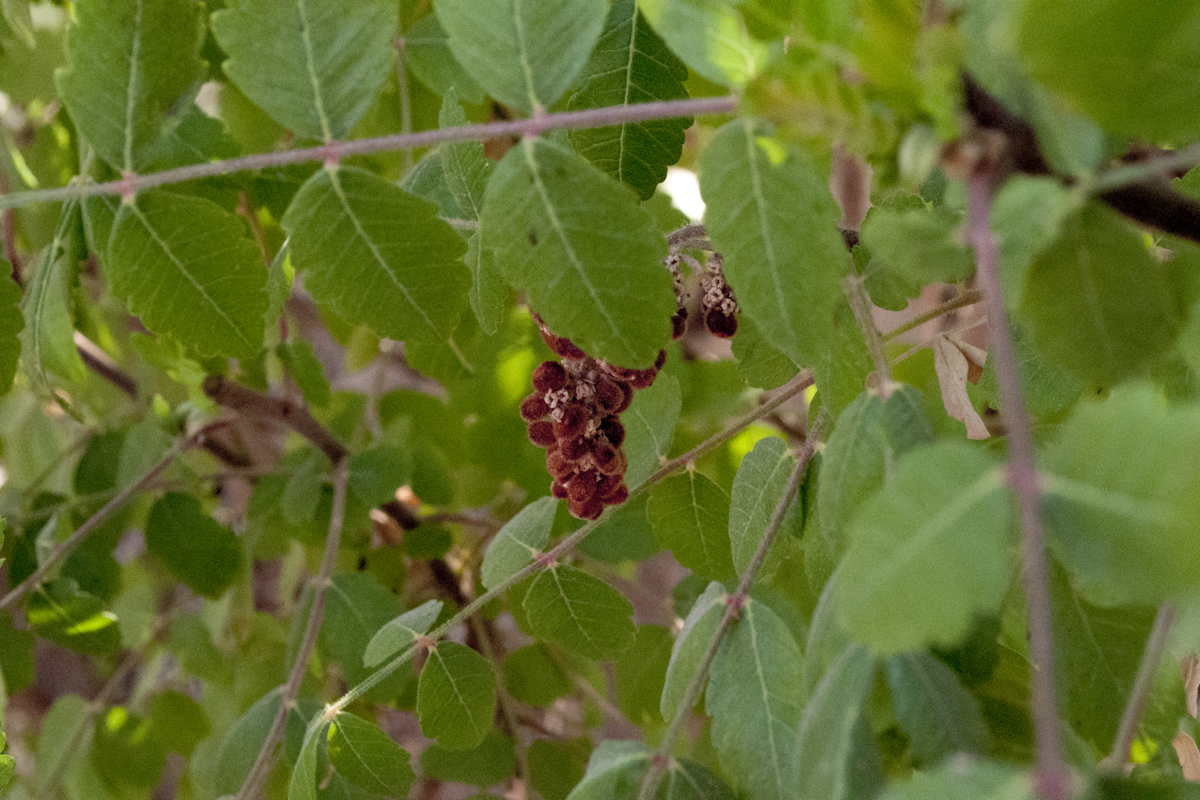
[68,545]
[588,118]
[860,304]
[320,583]
[660,761]
[567,543]
[1143,682]
[967,298]
[1159,167]
[1052,778]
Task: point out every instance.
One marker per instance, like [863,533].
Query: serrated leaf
[710,36]
[937,713]
[870,436]
[377,255]
[771,215]
[1097,303]
[754,697]
[650,427]
[1121,503]
[428,56]
[567,607]
[928,551]
[834,756]
[194,547]
[367,757]
[356,606]
[1118,48]
[690,646]
[690,517]
[520,541]
[61,612]
[306,370]
[524,56]
[630,64]
[463,163]
[920,245]
[489,292]
[315,66]
[49,330]
[186,268]
[303,782]
[583,249]
[400,632]
[132,64]
[456,696]
[11,323]
[758,487]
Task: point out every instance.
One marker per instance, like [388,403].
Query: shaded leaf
[981,780]
[490,762]
[650,427]
[49,335]
[937,713]
[630,64]
[759,361]
[640,672]
[533,676]
[456,696]
[11,323]
[587,254]
[356,606]
[377,255]
[524,56]
[303,782]
[690,517]
[367,757]
[690,646]
[920,245]
[314,66]
[520,541]
[306,370]
[759,485]
[567,607]
[400,632]
[428,56]
[928,551]
[125,751]
[195,548]
[615,772]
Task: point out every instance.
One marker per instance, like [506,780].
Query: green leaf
[464,165]
[754,697]
[928,552]
[315,66]
[49,336]
[640,672]
[489,292]
[979,780]
[937,713]
[920,245]
[306,370]
[759,361]
[1097,652]
[759,485]
[367,757]
[770,213]
[207,290]
[870,436]
[60,742]
[1097,302]
[690,517]
[585,615]
[690,647]
[1119,49]
[649,427]
[710,36]
[1027,215]
[132,64]
[487,764]
[377,255]
[374,474]
[583,249]
[126,752]
[456,696]
[179,721]
[194,547]
[428,56]
[520,541]
[400,632]
[631,65]
[615,771]
[834,756]
[61,612]
[555,767]
[524,56]
[11,323]
[1121,501]
[303,783]
[356,607]
[534,676]
[238,748]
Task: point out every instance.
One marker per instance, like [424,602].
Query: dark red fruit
[534,408]
[559,490]
[616,466]
[550,376]
[573,421]
[608,484]
[609,394]
[575,448]
[626,390]
[582,487]
[605,456]
[587,509]
[720,324]
[558,466]
[613,430]
[660,360]
[617,496]
[563,347]
[679,323]
[542,433]
[642,378]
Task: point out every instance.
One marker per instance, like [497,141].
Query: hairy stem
[589,118]
[967,298]
[860,304]
[1139,694]
[565,545]
[1053,780]
[319,585]
[69,544]
[660,761]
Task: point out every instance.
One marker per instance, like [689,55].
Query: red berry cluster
[718,306]
[574,414]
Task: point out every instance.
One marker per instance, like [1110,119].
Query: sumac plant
[590,400]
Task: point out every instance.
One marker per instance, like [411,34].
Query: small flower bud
[575,448]
[550,376]
[582,487]
[642,378]
[559,490]
[559,466]
[542,433]
[572,421]
[609,395]
[614,465]
[587,509]
[534,408]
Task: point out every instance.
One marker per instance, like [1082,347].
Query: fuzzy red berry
[619,494]
[609,394]
[605,456]
[572,421]
[559,490]
[550,376]
[587,509]
[559,466]
[721,324]
[534,408]
[575,448]
[564,347]
[642,378]
[613,430]
[614,466]
[608,484]
[679,323]
[582,487]
[542,433]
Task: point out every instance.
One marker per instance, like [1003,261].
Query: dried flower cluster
[718,306]
[574,414]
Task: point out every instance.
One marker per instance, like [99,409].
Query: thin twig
[319,584]
[1160,167]
[68,545]
[660,761]
[589,118]
[240,398]
[967,298]
[99,362]
[566,544]
[860,304]
[1053,780]
[1143,682]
